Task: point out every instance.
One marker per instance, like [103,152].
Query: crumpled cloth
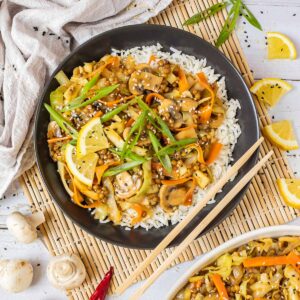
[35,35]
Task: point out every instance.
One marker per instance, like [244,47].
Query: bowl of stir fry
[263,264]
[135,126]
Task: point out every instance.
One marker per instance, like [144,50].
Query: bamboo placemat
[260,207]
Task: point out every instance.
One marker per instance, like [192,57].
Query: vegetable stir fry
[263,269]
[128,136]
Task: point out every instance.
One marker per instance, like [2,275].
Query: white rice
[227,133]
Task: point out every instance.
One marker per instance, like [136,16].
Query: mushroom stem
[36,218]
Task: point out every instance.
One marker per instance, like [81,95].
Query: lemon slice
[289,190]
[280,46]
[270,90]
[282,135]
[91,138]
[82,168]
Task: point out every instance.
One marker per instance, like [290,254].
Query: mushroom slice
[140,81]
[171,195]
[66,271]
[15,275]
[127,185]
[23,228]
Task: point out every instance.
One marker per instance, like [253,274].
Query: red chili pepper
[102,289]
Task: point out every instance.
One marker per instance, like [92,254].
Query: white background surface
[274,15]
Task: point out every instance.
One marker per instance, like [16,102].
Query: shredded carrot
[199,150]
[77,197]
[101,169]
[186,128]
[206,111]
[190,192]
[158,165]
[139,211]
[85,191]
[129,122]
[113,60]
[59,139]
[98,114]
[265,261]
[220,286]
[214,152]
[259,298]
[117,101]
[175,181]
[151,59]
[295,266]
[198,283]
[183,83]
[150,97]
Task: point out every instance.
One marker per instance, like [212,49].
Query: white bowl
[273,231]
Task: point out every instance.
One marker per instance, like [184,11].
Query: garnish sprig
[238,8]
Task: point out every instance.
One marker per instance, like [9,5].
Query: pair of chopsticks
[201,226]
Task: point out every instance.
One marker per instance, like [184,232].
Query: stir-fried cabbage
[263,269]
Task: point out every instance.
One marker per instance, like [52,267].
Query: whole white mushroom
[23,228]
[15,275]
[66,271]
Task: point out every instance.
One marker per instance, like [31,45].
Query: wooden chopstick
[202,225]
[180,226]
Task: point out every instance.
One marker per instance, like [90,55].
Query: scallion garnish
[238,8]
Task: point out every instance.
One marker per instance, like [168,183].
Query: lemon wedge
[282,135]
[280,46]
[270,90]
[289,190]
[82,168]
[91,138]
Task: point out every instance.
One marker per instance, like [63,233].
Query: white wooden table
[274,15]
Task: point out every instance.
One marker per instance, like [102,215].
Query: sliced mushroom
[171,107]
[140,81]
[15,275]
[170,195]
[66,271]
[23,228]
[127,185]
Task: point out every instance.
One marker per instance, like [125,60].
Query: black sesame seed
[44,32]
[35,28]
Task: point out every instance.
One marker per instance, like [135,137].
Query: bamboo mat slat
[261,205]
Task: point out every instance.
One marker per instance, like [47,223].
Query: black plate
[124,38]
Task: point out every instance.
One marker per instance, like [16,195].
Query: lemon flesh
[270,90]
[282,135]
[289,190]
[91,138]
[280,46]
[82,168]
